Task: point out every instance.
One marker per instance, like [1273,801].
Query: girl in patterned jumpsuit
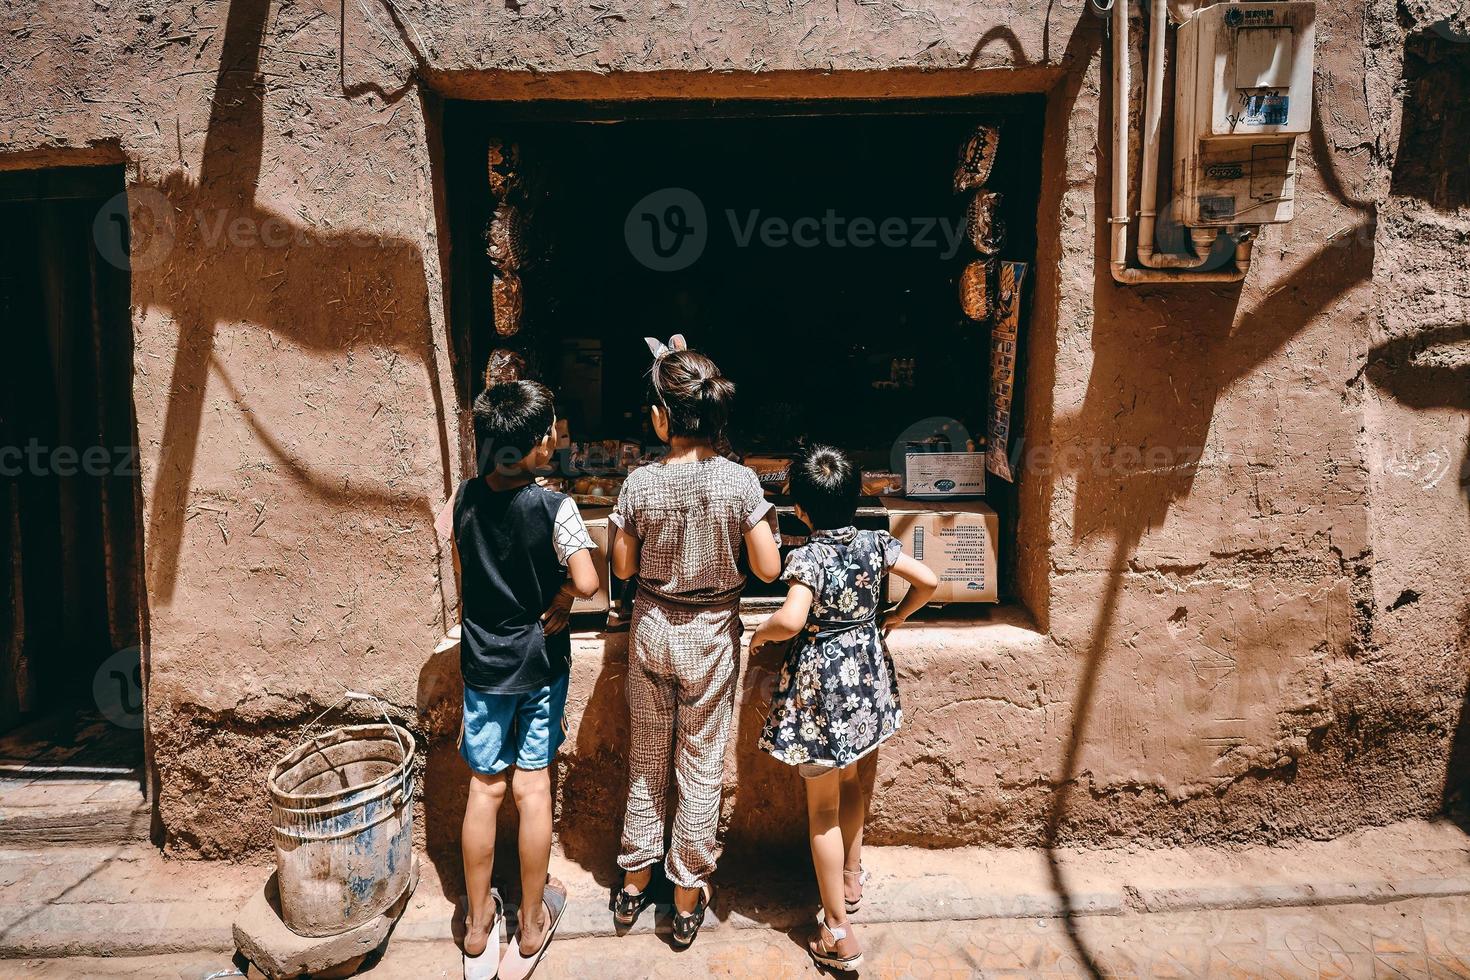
[687,526]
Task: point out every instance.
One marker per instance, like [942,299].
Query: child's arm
[574,547]
[923,582]
[787,621]
[762,531]
[581,583]
[624,554]
[623,529]
[444,530]
[764,553]
[582,575]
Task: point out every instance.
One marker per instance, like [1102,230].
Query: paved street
[1411,938]
[1380,902]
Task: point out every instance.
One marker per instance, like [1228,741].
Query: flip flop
[485,966]
[513,965]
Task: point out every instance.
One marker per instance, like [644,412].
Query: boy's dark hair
[826,485]
[510,419]
[691,389]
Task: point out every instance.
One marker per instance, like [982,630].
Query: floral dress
[837,696]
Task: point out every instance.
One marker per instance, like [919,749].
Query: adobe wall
[1262,632]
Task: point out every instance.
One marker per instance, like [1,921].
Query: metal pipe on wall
[1161,267]
[1148,173]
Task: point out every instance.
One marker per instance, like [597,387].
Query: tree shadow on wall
[206,254]
[215,256]
[1423,364]
[1162,358]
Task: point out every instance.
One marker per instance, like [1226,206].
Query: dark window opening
[828,243]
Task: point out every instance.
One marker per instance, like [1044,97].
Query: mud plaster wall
[1221,642]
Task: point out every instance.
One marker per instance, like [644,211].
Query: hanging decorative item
[504,365]
[985,226]
[977,158]
[505,296]
[975,289]
[506,237]
[505,166]
[1005,340]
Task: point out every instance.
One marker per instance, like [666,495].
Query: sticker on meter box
[1267,109]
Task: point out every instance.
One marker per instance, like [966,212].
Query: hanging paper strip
[1005,337]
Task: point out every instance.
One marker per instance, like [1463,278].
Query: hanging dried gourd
[977,289]
[504,365]
[508,302]
[985,226]
[505,167]
[977,159]
[506,236]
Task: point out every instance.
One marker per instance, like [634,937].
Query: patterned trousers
[682,680]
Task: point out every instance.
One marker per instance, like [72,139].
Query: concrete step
[70,777]
[56,810]
[124,901]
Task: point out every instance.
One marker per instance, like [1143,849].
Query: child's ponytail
[691,389]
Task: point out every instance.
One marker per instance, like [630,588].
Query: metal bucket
[342,816]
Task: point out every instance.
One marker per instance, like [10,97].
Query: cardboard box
[943,476]
[597,528]
[956,539]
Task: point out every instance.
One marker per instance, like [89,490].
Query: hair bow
[660,349]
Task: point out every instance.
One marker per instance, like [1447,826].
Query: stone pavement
[1421,938]
[1373,901]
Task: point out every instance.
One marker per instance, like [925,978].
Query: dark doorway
[69,591]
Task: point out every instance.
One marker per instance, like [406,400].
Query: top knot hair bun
[689,387]
[826,483]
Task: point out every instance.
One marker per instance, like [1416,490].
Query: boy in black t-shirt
[524,555]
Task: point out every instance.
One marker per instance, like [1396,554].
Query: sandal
[515,965]
[627,905]
[486,965]
[862,876]
[686,924]
[829,954]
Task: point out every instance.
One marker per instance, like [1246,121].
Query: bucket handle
[360,696]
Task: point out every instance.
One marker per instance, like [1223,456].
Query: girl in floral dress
[837,697]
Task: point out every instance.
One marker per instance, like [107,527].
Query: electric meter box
[1243,95]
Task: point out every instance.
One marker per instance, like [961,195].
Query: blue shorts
[521,730]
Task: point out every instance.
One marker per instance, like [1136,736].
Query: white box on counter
[941,476]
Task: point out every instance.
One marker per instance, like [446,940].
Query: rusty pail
[342,818]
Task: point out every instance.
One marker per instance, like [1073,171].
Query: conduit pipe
[1161,267]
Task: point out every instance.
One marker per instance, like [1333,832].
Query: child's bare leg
[532,791]
[857,792]
[823,806]
[477,842]
[637,882]
[685,899]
